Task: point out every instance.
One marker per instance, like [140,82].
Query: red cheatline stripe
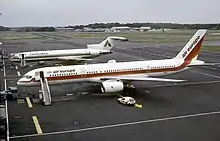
[115,73]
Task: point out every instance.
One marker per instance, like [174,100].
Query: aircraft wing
[128,78]
[72,59]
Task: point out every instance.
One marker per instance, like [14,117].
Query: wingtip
[179,81]
[118,38]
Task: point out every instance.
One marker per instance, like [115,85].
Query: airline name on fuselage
[191,46]
[63,71]
[41,53]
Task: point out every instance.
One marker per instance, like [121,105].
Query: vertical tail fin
[107,44]
[191,50]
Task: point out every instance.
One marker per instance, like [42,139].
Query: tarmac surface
[186,111]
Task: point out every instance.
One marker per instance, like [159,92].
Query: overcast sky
[72,12]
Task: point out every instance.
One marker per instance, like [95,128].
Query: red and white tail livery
[191,49]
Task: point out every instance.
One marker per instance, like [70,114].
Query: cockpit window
[27,76]
[13,54]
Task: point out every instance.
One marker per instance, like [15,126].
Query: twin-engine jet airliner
[114,76]
[92,50]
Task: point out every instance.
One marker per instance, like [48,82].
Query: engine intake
[110,86]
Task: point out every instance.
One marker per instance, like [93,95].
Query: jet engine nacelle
[94,52]
[110,86]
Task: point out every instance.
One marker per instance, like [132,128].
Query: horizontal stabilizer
[107,44]
[205,64]
[197,63]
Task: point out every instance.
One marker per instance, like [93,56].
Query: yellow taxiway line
[29,102]
[138,105]
[37,125]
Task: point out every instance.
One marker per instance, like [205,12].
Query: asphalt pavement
[186,111]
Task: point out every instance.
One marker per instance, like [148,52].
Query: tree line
[2,28]
[29,29]
[117,24]
[152,25]
[37,29]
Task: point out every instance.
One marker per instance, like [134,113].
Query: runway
[170,111]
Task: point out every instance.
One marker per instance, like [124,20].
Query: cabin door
[83,72]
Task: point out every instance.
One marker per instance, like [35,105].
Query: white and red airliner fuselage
[94,72]
[92,50]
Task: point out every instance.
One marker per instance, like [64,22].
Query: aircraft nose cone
[11,59]
[21,82]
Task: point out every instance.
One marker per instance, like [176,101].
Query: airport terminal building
[121,29]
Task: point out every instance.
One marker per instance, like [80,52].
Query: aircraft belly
[52,58]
